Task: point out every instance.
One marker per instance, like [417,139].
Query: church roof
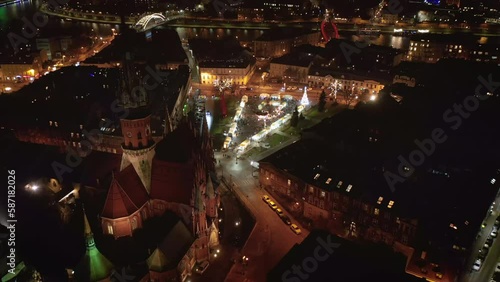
[177,146]
[126,194]
[210,188]
[93,266]
[173,248]
[172,182]
[157,261]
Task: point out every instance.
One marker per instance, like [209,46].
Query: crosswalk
[247,182]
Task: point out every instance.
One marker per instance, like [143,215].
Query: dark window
[139,136]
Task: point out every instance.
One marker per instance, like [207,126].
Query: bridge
[151,20]
[141,23]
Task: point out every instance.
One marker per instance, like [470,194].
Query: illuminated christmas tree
[305,101]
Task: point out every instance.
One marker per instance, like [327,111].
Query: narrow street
[271,239]
[488,266]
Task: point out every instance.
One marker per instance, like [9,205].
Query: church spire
[87,231]
[93,266]
[168,122]
[210,188]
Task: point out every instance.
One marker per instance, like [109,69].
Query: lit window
[328,181]
[376,211]
[340,184]
[311,189]
[323,194]
[110,229]
[348,188]
[316,176]
[493,180]
[390,204]
[289,182]
[380,199]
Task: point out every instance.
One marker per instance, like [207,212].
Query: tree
[322,101]
[294,121]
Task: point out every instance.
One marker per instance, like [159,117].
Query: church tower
[138,145]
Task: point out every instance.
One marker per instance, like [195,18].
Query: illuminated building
[237,71]
[22,66]
[322,77]
[222,60]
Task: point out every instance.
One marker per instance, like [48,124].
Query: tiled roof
[126,194]
[176,244]
[172,182]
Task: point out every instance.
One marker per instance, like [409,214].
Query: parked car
[483,253]
[273,205]
[489,240]
[497,222]
[295,229]
[494,232]
[477,265]
[202,267]
[266,199]
[497,268]
[285,219]
[279,211]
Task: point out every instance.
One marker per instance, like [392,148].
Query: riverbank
[484,30]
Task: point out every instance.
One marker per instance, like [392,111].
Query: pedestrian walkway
[247,182]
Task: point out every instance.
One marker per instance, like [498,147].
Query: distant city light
[493,180]
[8,88]
[373,98]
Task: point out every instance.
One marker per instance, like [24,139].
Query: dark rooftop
[337,154]
[295,59]
[344,261]
[17,58]
[164,46]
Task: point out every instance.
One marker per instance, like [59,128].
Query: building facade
[293,72]
[22,66]
[56,47]
[344,82]
[425,50]
[339,208]
[239,73]
[409,81]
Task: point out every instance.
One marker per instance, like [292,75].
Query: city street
[488,266]
[271,239]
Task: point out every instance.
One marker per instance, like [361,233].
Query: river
[11,20]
